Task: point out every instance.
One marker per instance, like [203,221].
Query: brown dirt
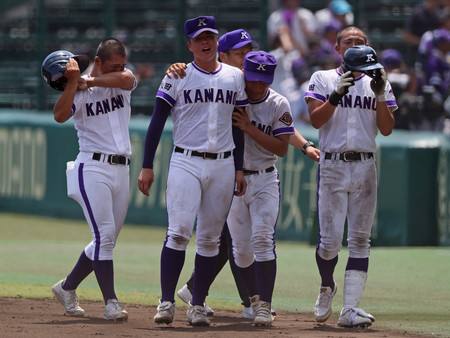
[43,318]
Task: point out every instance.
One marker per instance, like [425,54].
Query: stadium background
[413,207]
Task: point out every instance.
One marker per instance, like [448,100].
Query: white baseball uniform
[347,189]
[101,117]
[253,216]
[202,105]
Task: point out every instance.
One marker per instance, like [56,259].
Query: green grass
[407,288]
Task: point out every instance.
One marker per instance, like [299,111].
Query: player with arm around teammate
[203,171]
[99,105]
[267,125]
[348,107]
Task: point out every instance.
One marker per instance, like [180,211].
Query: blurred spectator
[426,41]
[437,77]
[404,84]
[424,17]
[323,54]
[293,26]
[301,74]
[337,10]
[283,81]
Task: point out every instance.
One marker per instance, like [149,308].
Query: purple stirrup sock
[172,262]
[205,268]
[80,271]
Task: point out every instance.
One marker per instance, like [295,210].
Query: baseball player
[233,47]
[348,105]
[267,124]
[203,170]
[99,105]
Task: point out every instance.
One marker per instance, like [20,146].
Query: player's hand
[72,72]
[177,70]
[345,81]
[241,183]
[82,84]
[240,119]
[145,180]
[313,153]
[378,85]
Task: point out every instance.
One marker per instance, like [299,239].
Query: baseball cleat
[322,309]
[355,317]
[166,312]
[263,315]
[186,296]
[115,311]
[68,299]
[247,313]
[196,315]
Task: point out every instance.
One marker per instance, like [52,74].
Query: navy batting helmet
[54,66]
[362,59]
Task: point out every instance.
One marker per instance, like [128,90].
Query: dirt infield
[43,318]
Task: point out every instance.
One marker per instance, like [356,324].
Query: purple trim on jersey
[392,103]
[204,71]
[262,100]
[242,103]
[316,96]
[89,210]
[287,130]
[166,97]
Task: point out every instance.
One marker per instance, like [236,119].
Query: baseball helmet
[54,66]
[362,59]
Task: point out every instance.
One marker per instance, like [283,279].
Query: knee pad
[359,245]
[327,254]
[264,247]
[177,242]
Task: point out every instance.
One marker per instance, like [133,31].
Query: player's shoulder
[231,69]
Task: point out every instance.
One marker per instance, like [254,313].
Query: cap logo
[244,36]
[261,67]
[201,22]
[370,58]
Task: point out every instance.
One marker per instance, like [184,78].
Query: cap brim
[255,76]
[83,62]
[197,33]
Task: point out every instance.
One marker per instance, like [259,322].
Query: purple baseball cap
[260,66]
[234,40]
[391,58]
[200,24]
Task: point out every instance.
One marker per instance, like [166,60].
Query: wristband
[306,145]
[335,98]
[381,98]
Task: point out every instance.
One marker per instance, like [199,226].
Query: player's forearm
[62,110]
[124,80]
[297,140]
[320,113]
[273,144]
[385,118]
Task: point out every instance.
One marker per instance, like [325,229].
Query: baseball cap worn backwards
[260,66]
[198,25]
[234,40]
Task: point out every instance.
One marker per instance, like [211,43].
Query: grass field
[407,288]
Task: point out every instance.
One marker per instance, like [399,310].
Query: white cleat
[355,317]
[115,311]
[247,313]
[322,309]
[196,315]
[68,299]
[185,295]
[263,315]
[166,312]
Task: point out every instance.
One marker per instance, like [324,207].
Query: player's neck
[208,66]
